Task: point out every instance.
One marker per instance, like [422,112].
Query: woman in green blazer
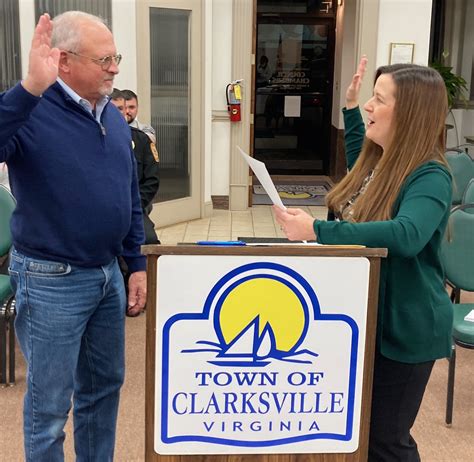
[396,195]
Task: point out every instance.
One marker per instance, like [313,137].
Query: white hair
[67,29]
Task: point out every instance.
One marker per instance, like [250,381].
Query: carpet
[293,194]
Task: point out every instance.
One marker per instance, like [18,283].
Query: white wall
[124,28]
[357,34]
[221,76]
[345,61]
[207,80]
[404,21]
[27,26]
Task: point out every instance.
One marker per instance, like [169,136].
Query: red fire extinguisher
[234,96]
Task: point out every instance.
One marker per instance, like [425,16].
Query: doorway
[293,87]
[170,56]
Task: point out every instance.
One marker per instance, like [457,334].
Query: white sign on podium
[259,354]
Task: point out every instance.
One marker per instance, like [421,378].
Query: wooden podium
[333,289]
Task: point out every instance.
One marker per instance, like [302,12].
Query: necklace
[347,211]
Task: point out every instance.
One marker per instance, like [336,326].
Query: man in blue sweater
[73,173]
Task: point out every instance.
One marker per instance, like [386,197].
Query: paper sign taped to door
[292,106]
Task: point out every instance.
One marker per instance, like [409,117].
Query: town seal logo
[254,369]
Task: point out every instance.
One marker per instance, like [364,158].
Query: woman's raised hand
[43,60]
[352,93]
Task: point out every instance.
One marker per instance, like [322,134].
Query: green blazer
[415,314]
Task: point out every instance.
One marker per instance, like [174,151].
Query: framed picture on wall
[401,53]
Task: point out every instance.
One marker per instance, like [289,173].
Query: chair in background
[462,169]
[468,196]
[457,256]
[468,146]
[7,301]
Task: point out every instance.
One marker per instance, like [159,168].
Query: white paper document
[263,176]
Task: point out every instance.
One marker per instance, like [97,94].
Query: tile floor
[257,221]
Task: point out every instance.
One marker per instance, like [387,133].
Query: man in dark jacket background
[147,158]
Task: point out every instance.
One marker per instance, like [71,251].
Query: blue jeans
[70,326]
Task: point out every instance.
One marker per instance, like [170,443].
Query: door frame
[192,207]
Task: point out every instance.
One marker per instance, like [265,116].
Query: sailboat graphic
[250,348]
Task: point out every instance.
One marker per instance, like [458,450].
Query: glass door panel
[169,49]
[293,88]
[170,71]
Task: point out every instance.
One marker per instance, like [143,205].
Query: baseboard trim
[220,202]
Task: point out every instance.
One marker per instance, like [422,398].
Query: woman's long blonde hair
[418,136]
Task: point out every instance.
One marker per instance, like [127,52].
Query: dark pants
[396,398]
[150,233]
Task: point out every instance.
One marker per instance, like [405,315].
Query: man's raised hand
[43,60]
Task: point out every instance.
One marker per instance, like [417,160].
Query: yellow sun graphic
[273,301]
[293,195]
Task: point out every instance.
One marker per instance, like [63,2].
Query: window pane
[295,6]
[10,57]
[170,70]
[101,8]
[471,96]
[451,39]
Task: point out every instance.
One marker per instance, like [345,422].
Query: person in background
[264,72]
[73,172]
[147,158]
[131,105]
[396,195]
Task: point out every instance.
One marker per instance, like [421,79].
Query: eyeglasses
[104,62]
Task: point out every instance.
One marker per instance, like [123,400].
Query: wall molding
[242,39]
[220,115]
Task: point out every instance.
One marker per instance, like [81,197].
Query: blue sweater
[74,180]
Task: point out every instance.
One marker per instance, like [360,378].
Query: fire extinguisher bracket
[234,97]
